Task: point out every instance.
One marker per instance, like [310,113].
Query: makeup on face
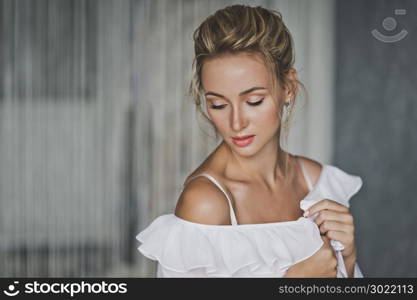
[243,141]
[252,102]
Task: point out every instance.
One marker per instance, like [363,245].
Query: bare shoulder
[203,202]
[312,167]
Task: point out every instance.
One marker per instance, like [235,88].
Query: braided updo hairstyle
[253,30]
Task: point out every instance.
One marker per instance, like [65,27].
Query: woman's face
[239,101]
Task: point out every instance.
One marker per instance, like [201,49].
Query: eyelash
[251,104]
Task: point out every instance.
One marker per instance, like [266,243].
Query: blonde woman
[251,209]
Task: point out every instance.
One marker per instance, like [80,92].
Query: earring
[288,102]
[287,107]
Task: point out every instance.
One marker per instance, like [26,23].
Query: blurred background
[97,132]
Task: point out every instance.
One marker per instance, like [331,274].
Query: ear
[292,85]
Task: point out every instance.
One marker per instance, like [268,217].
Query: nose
[239,120]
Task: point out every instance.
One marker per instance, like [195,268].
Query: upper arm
[312,167]
[202,202]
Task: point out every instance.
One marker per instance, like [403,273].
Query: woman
[244,211]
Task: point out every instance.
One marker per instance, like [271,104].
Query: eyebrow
[240,94]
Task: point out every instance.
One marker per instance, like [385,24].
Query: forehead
[234,73]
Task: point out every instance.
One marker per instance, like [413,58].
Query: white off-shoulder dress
[188,249]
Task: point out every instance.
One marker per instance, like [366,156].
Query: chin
[247,151]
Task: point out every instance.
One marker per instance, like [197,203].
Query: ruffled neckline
[300,219]
[181,246]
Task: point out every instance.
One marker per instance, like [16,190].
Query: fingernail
[306,213]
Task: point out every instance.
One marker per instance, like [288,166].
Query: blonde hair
[253,30]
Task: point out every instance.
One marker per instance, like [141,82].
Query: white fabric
[187,249]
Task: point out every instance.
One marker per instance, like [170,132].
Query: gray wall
[375,100]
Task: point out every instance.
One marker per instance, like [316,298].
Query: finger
[325,239]
[333,215]
[326,204]
[336,226]
[345,239]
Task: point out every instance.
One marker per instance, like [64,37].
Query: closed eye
[250,103]
[256,103]
[217,106]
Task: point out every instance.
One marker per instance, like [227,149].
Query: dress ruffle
[251,250]
[223,250]
[333,184]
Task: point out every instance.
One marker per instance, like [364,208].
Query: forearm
[295,272]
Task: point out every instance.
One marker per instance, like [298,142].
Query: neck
[262,167]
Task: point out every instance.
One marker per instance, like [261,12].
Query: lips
[243,141]
[241,138]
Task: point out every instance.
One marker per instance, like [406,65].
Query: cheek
[219,122]
[268,117]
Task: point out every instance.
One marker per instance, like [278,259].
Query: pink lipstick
[243,141]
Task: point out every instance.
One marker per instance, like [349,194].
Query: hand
[322,263]
[335,222]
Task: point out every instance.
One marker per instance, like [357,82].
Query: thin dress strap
[306,177]
[212,179]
